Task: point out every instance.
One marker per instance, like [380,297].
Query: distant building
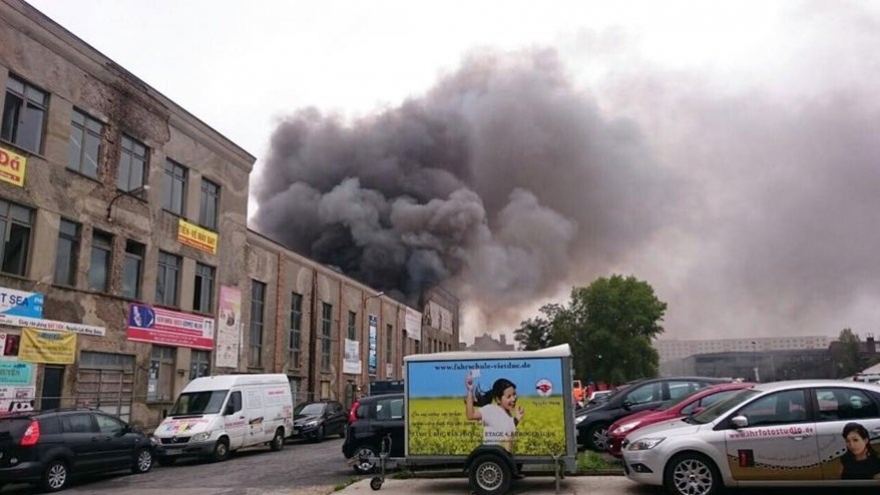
[771,365]
[486,343]
[673,350]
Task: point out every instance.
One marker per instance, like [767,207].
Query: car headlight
[201,437]
[312,423]
[645,443]
[620,430]
[580,419]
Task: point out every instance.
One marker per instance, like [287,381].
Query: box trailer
[491,413]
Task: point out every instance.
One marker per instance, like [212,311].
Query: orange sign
[197,237]
[12,166]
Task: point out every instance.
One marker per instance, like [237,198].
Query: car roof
[773,386]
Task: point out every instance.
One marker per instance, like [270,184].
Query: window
[23,115]
[326,312]
[99,269]
[388,409]
[132,164]
[296,301]
[133,269]
[174,192]
[167,278]
[352,325]
[160,384]
[235,402]
[78,423]
[677,390]
[389,343]
[844,404]
[210,204]
[15,225]
[203,295]
[67,253]
[258,303]
[84,147]
[199,364]
[109,426]
[649,392]
[780,408]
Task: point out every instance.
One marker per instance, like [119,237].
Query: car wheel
[597,437]
[221,450]
[319,435]
[143,461]
[55,477]
[489,475]
[166,461]
[691,474]
[364,459]
[278,441]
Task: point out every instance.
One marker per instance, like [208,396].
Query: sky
[723,152]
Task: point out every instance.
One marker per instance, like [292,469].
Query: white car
[798,433]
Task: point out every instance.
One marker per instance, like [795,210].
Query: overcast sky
[725,152]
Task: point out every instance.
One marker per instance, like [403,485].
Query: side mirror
[739,421]
[627,405]
[164,413]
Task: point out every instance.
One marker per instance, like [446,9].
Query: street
[301,468]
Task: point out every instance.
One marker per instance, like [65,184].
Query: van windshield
[207,402]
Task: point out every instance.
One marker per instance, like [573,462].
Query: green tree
[538,333]
[846,353]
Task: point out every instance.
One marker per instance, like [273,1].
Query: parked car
[593,421]
[795,433]
[672,409]
[376,418]
[318,420]
[50,447]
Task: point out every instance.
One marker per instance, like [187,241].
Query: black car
[50,447]
[593,421]
[318,420]
[376,418]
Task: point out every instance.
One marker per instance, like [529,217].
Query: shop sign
[166,327]
[197,237]
[12,167]
[19,303]
[51,325]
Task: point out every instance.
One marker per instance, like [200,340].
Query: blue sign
[16,373]
[18,303]
[140,316]
[372,354]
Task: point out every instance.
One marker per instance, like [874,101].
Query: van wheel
[143,461]
[278,441]
[691,474]
[489,475]
[55,477]
[221,450]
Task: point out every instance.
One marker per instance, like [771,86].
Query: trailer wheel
[489,475]
[376,483]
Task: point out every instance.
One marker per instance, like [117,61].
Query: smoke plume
[503,182]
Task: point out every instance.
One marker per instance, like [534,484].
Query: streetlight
[134,192]
[755,348]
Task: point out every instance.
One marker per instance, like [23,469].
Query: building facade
[486,343]
[673,350]
[127,268]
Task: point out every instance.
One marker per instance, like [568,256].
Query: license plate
[173,451]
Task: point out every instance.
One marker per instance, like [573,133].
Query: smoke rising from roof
[503,182]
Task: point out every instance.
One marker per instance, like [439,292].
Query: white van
[216,415]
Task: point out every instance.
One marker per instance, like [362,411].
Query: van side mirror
[739,421]
[164,413]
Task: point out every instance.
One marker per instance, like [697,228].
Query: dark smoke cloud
[504,182]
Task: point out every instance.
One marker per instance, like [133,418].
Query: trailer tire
[489,474]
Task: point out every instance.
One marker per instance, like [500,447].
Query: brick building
[127,268]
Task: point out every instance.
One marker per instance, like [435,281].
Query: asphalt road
[301,468]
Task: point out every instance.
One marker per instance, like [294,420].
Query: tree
[609,325]
[846,353]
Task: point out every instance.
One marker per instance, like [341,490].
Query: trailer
[490,413]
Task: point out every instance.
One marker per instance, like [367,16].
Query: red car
[677,408]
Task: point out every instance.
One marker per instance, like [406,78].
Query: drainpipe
[313,337]
[277,365]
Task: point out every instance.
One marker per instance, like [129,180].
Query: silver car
[798,433]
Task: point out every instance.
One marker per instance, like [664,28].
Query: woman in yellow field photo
[496,409]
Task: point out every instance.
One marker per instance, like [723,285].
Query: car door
[847,412]
[336,418]
[388,422]
[234,420]
[119,449]
[779,442]
[81,435]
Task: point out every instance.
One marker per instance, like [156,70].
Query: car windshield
[207,402]
[309,409]
[715,411]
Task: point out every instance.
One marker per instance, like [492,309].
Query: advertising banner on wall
[373,346]
[12,167]
[41,346]
[228,328]
[51,325]
[194,236]
[15,399]
[9,345]
[18,303]
[413,324]
[17,373]
[457,406]
[351,364]
[162,326]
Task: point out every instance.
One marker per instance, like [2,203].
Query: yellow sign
[40,346]
[12,166]
[197,237]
